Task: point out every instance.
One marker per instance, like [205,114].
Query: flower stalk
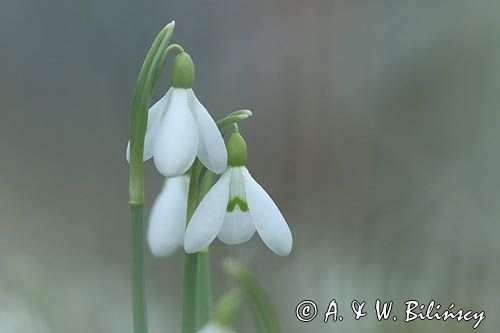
[203,309]
[190,260]
[139,312]
[197,303]
[204,298]
[146,82]
[233,118]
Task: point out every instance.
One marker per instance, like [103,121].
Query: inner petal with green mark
[237,195]
[237,202]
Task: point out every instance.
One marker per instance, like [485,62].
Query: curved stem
[171,48]
[139,117]
[233,118]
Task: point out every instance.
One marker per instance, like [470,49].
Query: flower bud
[236,149]
[182,71]
[227,311]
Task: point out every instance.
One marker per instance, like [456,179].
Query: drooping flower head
[235,207]
[179,128]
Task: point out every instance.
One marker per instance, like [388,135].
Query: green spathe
[182,71]
[236,149]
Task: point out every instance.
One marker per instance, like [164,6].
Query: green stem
[146,82]
[163,56]
[197,303]
[138,282]
[204,298]
[190,262]
[203,289]
[139,117]
[189,298]
[233,118]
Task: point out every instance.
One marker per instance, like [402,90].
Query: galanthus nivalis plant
[235,207]
[188,148]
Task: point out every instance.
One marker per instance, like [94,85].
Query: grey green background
[375,129]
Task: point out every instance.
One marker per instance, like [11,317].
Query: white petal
[167,221]
[266,216]
[176,142]
[211,148]
[237,228]
[208,217]
[154,115]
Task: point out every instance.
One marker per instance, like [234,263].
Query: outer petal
[266,216]
[208,217]
[167,221]
[237,228]
[176,142]
[211,148]
[154,115]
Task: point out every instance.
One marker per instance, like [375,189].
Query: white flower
[167,221]
[233,209]
[213,327]
[179,128]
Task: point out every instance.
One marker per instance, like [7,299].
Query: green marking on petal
[237,201]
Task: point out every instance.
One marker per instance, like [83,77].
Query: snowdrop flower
[179,128]
[167,221]
[235,207]
[213,327]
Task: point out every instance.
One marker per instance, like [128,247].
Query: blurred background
[375,129]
